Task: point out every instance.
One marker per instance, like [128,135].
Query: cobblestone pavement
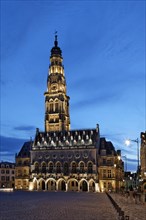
[55,206]
[135,209]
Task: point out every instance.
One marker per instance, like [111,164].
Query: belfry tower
[56,101]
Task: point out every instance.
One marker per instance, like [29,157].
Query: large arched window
[90,167]
[65,168]
[58,167]
[51,107]
[74,167]
[36,165]
[82,168]
[43,167]
[50,167]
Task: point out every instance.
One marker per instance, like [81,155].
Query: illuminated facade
[22,171]
[64,159]
[56,100]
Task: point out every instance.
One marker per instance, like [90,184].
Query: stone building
[143,160]
[7,175]
[64,159]
[22,171]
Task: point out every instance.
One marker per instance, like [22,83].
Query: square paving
[27,205]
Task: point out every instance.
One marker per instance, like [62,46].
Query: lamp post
[125,157]
[128,143]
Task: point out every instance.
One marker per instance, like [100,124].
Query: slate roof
[25,150]
[72,138]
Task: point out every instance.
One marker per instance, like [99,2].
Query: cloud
[98,99]
[10,146]
[25,128]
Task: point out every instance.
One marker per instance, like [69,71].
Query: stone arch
[91,185]
[72,184]
[83,185]
[61,183]
[41,184]
[51,184]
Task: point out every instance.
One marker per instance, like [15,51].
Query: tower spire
[56,41]
[56,100]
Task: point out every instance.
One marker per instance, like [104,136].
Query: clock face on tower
[54,87]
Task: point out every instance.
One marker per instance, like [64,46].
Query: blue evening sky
[103,45]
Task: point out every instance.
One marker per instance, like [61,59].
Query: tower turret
[56,100]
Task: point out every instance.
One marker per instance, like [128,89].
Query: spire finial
[56,42]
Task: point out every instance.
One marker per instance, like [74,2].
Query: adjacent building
[64,159]
[143,160]
[22,170]
[7,175]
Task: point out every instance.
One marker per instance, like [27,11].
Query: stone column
[97,187]
[66,187]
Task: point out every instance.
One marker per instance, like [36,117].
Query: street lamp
[125,157]
[127,142]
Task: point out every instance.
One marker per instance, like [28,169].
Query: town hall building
[61,159]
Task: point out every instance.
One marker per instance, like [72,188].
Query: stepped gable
[66,138]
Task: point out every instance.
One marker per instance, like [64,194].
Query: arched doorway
[92,186]
[51,185]
[62,185]
[42,185]
[84,186]
[73,185]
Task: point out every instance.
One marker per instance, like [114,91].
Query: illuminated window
[104,173]
[109,173]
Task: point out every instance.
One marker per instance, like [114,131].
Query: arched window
[82,167]
[74,167]
[58,167]
[50,167]
[36,167]
[65,168]
[90,167]
[56,106]
[43,167]
[51,107]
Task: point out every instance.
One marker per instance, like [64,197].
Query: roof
[25,150]
[107,146]
[72,138]
[3,164]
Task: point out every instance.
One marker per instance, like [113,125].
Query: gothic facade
[64,159]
